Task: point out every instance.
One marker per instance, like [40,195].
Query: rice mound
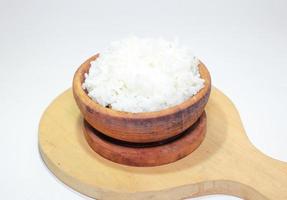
[143,75]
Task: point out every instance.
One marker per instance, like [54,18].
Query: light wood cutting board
[225,163]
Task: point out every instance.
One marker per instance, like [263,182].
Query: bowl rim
[82,94]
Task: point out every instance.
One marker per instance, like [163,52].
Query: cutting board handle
[267,175]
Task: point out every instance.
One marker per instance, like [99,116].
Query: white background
[243,43]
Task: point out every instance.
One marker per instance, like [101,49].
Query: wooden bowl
[140,127]
[147,154]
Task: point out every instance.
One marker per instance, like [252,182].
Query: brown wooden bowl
[140,127]
[147,154]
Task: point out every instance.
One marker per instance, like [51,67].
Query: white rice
[143,75]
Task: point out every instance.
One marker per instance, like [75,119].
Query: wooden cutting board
[225,163]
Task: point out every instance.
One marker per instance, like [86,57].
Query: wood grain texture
[225,163]
[140,127]
[147,154]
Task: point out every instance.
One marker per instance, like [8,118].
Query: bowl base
[147,154]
